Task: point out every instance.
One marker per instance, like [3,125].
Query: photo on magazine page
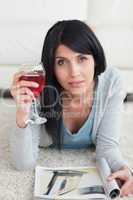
[74,183]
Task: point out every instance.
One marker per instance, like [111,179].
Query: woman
[82,101]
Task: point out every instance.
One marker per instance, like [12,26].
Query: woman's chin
[77,91]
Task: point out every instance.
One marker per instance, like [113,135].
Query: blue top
[82,138]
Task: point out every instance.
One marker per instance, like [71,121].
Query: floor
[16,185]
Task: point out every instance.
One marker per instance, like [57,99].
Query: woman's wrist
[21,118]
[21,124]
[126,167]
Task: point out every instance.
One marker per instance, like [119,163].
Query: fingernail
[130,195]
[36,84]
[109,178]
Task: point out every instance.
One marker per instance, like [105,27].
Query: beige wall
[113,23]
[24,23]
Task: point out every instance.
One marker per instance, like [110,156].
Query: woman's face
[74,71]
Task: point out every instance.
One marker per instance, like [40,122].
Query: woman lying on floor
[82,101]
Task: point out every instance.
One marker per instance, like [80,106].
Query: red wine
[36,76]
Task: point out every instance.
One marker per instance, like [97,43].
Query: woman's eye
[82,58]
[60,62]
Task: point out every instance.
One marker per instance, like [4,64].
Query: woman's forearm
[24,147]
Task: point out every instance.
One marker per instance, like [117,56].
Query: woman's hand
[23,97]
[124,174]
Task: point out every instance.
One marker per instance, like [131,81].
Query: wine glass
[36,74]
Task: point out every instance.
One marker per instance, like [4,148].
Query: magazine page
[68,183]
[111,188]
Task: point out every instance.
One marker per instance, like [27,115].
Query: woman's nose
[75,69]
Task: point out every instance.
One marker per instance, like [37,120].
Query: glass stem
[35,107]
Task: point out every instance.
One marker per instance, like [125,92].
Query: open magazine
[75,183]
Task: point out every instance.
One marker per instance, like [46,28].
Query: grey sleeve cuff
[24,146]
[113,157]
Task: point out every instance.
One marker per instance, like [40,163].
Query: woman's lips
[76,83]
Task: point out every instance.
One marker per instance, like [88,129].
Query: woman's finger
[27,84]
[22,84]
[24,102]
[24,93]
[127,188]
[16,84]
[18,92]
[119,174]
[25,90]
[17,76]
[24,98]
[123,174]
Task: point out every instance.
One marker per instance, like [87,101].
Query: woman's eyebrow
[61,57]
[78,54]
[82,54]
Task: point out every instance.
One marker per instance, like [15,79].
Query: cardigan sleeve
[25,142]
[109,130]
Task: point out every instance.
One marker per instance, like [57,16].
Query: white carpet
[19,185]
